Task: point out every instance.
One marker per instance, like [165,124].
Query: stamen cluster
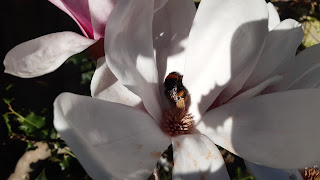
[311,173]
[177,120]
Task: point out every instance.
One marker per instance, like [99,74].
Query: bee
[174,89]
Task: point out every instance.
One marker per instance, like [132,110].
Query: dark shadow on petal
[241,147]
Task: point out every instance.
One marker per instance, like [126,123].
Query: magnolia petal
[274,18]
[158,4]
[256,90]
[44,54]
[281,45]
[220,49]
[197,157]
[235,84]
[309,79]
[109,139]
[79,12]
[271,130]
[265,173]
[99,13]
[129,52]
[306,61]
[105,86]
[171,27]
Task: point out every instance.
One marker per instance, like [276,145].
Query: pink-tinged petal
[171,27]
[305,62]
[109,139]
[281,46]
[197,157]
[223,49]
[105,86]
[79,12]
[100,11]
[274,18]
[44,54]
[272,130]
[256,90]
[129,51]
[265,173]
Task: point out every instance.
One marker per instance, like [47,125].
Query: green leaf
[9,87]
[53,133]
[32,122]
[65,163]
[86,77]
[77,59]
[8,101]
[30,146]
[239,172]
[6,119]
[42,176]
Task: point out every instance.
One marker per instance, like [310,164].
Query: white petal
[274,18]
[44,54]
[197,157]
[109,139]
[171,27]
[256,90]
[129,51]
[224,44]
[158,4]
[306,61]
[265,173]
[273,130]
[105,86]
[309,79]
[281,46]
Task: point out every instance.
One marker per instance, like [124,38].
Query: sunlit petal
[274,18]
[105,86]
[129,51]
[109,139]
[44,54]
[197,157]
[272,130]
[222,51]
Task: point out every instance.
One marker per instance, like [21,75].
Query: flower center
[177,120]
[311,173]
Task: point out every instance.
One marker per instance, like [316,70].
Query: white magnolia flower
[249,93]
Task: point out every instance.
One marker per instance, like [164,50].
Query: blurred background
[26,130]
